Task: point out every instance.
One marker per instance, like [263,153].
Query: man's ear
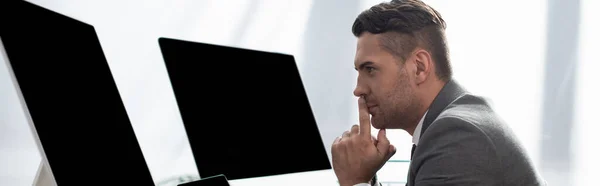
[424,65]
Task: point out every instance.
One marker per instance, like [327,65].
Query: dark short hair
[406,24]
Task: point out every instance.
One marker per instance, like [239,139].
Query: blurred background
[536,60]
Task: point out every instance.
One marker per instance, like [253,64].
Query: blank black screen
[72,98]
[245,112]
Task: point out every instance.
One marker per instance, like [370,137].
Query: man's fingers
[354,129]
[336,147]
[374,140]
[391,152]
[383,144]
[345,134]
[337,139]
[363,116]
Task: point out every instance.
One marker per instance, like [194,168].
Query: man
[405,82]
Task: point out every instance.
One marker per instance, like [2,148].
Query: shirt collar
[417,132]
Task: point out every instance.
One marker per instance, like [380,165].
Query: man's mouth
[371,108]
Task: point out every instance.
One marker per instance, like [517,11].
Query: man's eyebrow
[362,65]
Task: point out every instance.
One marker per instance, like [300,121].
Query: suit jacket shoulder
[456,150]
[464,142]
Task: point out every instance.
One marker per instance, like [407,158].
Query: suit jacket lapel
[450,92]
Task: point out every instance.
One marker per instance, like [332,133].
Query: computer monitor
[245,112]
[70,98]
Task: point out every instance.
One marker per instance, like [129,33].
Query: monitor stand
[43,176]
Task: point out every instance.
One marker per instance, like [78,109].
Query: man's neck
[428,93]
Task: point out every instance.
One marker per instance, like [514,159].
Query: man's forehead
[366,45]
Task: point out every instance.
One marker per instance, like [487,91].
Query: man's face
[385,83]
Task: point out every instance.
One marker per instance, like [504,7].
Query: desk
[393,173]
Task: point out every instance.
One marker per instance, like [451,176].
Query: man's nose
[359,91]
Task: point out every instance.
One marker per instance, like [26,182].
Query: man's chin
[377,125]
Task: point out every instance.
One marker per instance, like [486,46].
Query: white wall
[586,153]
[497,49]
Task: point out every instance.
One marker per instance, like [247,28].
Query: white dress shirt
[417,133]
[415,139]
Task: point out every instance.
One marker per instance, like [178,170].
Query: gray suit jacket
[464,142]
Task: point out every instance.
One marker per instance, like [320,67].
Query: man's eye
[369,69]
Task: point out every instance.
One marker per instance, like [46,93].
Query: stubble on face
[398,105]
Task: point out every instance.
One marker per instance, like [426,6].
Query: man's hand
[356,155]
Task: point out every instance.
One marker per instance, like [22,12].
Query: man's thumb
[384,146]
